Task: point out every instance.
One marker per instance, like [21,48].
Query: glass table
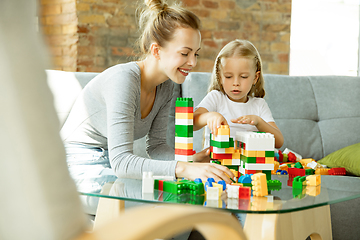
[286,213]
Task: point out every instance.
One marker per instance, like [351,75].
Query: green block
[274,184]
[298,181]
[298,165]
[156,184]
[269,154]
[174,187]
[248,159]
[219,144]
[231,142]
[184,102]
[309,171]
[184,131]
[267,173]
[216,161]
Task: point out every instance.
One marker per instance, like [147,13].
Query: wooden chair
[38,198]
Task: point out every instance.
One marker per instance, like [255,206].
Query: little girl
[236,94]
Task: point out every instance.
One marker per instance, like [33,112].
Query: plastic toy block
[270,154]
[235,161]
[226,161]
[174,187]
[179,121]
[222,150]
[184,109]
[219,144]
[314,165]
[298,182]
[223,130]
[236,154]
[250,171]
[184,116]
[233,191]
[270,160]
[313,180]
[287,151]
[309,171]
[276,167]
[259,166]
[213,193]
[260,154]
[184,158]
[187,152]
[298,165]
[296,172]
[147,182]
[285,157]
[306,161]
[184,102]
[236,173]
[281,172]
[194,188]
[322,171]
[221,138]
[280,159]
[313,190]
[248,159]
[249,153]
[184,139]
[244,192]
[221,156]
[245,178]
[260,159]
[291,157]
[259,184]
[184,145]
[215,161]
[337,171]
[223,184]
[254,141]
[299,192]
[274,185]
[183,131]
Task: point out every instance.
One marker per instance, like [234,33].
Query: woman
[131,100]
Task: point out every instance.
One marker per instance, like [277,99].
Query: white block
[183,158]
[259,166]
[184,139]
[256,141]
[147,182]
[221,138]
[236,162]
[298,156]
[212,193]
[179,121]
[233,191]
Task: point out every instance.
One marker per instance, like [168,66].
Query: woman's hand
[204,171]
[214,121]
[203,156]
[247,119]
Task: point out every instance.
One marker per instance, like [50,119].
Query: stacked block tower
[184,113]
[252,152]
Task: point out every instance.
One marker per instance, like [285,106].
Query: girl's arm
[203,117]
[262,126]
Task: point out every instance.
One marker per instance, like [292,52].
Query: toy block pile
[184,112]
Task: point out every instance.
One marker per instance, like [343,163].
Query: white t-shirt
[216,101]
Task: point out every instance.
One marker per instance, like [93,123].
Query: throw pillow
[347,157]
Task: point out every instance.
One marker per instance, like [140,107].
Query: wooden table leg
[108,209]
[315,222]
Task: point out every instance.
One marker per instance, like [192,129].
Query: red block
[250,171]
[187,152]
[337,171]
[291,157]
[222,155]
[296,172]
[184,109]
[244,192]
[260,160]
[161,184]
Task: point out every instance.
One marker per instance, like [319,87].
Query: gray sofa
[317,116]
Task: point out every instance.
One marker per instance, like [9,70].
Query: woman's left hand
[203,156]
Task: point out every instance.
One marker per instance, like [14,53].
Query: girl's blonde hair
[158,22]
[238,48]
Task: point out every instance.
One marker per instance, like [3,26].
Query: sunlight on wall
[324,37]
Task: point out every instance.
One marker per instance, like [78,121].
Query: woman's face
[179,56]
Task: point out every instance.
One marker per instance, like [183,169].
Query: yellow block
[313,180]
[260,153]
[184,145]
[313,190]
[184,115]
[247,153]
[226,161]
[269,160]
[223,130]
[322,171]
[219,186]
[236,154]
[259,184]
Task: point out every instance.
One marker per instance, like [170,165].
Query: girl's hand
[204,171]
[247,119]
[203,156]
[214,122]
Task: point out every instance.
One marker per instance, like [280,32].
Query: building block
[184,109]
[244,192]
[185,122]
[184,145]
[337,171]
[184,116]
[313,190]
[147,182]
[221,156]
[259,184]
[184,102]
[258,166]
[212,193]
[245,178]
[188,152]
[183,131]
[174,187]
[233,191]
[322,171]
[255,141]
[313,180]
[298,182]
[223,130]
[296,172]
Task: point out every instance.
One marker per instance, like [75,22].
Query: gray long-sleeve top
[107,115]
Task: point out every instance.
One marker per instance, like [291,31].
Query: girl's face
[237,77]
[179,56]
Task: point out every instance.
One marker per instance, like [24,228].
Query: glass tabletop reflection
[333,189]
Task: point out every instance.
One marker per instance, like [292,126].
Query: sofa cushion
[348,157]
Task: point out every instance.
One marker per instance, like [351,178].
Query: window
[324,37]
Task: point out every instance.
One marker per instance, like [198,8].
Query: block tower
[184,113]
